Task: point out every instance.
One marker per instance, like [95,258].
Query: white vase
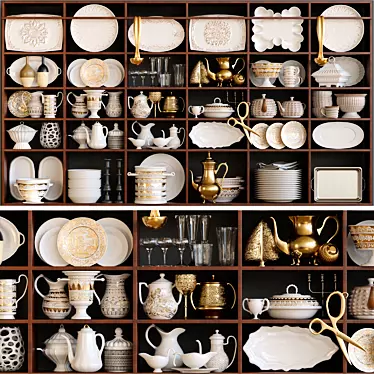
[12,349]
[114,107]
[50,135]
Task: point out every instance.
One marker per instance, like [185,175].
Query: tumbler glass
[226,238]
[165,80]
[202,254]
[179,73]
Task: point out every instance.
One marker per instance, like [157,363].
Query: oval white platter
[215,135]
[11,238]
[158,35]
[51,167]
[338,135]
[287,348]
[20,167]
[34,61]
[352,66]
[220,34]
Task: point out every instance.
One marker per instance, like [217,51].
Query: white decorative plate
[48,248]
[51,167]
[260,141]
[94,35]
[34,35]
[117,248]
[258,82]
[94,72]
[17,103]
[287,348]
[293,135]
[20,167]
[78,62]
[158,35]
[338,135]
[363,361]
[342,35]
[11,237]
[352,66]
[34,61]
[293,63]
[220,34]
[75,76]
[175,184]
[278,31]
[273,135]
[357,256]
[214,135]
[116,73]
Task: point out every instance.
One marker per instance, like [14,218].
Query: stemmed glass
[185,284]
[148,244]
[164,244]
[143,74]
[134,74]
[181,246]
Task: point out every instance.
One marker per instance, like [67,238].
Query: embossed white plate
[293,135]
[352,66]
[33,34]
[260,141]
[48,248]
[273,135]
[20,167]
[342,35]
[94,35]
[220,34]
[116,72]
[51,167]
[117,250]
[363,361]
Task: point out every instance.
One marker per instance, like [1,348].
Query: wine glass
[148,244]
[133,74]
[164,244]
[181,246]
[185,284]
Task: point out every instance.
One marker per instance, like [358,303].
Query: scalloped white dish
[278,31]
[287,348]
[214,135]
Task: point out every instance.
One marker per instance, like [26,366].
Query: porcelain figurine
[97,140]
[140,107]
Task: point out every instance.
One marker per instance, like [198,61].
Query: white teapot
[176,142]
[160,302]
[140,107]
[97,140]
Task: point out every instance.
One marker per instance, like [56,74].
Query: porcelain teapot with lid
[264,107]
[140,107]
[160,302]
[171,105]
[176,142]
[97,140]
[291,108]
[80,135]
[87,357]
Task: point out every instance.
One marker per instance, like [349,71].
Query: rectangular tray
[338,184]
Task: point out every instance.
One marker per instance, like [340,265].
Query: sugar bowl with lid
[217,109]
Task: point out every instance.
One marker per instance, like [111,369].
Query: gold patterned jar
[361,302]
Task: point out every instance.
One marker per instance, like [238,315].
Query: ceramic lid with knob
[218,105]
[161,281]
[217,336]
[293,298]
[58,337]
[332,70]
[81,129]
[22,128]
[116,131]
[118,343]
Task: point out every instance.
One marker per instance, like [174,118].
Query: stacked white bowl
[84,185]
[321,99]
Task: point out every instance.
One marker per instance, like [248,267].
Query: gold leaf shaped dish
[94,72]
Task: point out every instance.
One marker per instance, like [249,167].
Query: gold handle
[324,223]
[191,296]
[224,175]
[320,60]
[137,35]
[233,304]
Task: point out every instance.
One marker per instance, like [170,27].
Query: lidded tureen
[22,135]
[331,74]
[293,298]
[217,109]
[118,354]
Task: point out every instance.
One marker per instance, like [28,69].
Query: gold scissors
[242,118]
[341,337]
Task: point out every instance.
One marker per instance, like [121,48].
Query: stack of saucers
[84,185]
[279,185]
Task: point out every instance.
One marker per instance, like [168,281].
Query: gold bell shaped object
[154,220]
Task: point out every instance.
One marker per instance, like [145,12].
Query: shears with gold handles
[233,121]
[340,336]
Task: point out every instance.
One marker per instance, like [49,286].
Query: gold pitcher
[213,300]
[171,106]
[209,188]
[225,74]
[304,241]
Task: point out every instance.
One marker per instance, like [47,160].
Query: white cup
[291,70]
[256,306]
[195,110]
[291,81]
[330,111]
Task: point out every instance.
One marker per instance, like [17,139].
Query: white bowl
[296,312]
[32,190]
[218,113]
[84,183]
[84,173]
[84,196]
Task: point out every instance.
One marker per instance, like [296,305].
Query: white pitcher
[50,104]
[97,139]
[145,133]
[169,341]
[8,296]
[35,106]
[176,142]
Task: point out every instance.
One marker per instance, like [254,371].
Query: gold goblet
[185,284]
[155,97]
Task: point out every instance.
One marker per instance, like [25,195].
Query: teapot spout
[211,75]
[70,350]
[88,136]
[280,107]
[194,185]
[283,246]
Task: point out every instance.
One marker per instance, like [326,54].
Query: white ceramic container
[22,135]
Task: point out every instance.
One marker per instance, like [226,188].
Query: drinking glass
[143,74]
[164,244]
[133,74]
[180,244]
[204,224]
[165,80]
[166,64]
[185,284]
[202,254]
[226,238]
[179,74]
[181,226]
[148,244]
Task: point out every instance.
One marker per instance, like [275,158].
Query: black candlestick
[119,181]
[107,188]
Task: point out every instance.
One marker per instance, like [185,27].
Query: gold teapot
[209,188]
[213,300]
[171,106]
[304,240]
[225,74]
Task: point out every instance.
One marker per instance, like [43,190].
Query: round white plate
[363,361]
[352,66]
[46,226]
[260,141]
[273,135]
[11,238]
[293,63]
[338,135]
[48,248]
[51,167]
[258,82]
[118,248]
[116,73]
[20,167]
[75,76]
[79,61]
[293,135]
[94,35]
[358,257]
[342,35]
[174,184]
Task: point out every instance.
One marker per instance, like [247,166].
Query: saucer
[188,370]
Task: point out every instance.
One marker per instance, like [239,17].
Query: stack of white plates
[84,185]
[280,186]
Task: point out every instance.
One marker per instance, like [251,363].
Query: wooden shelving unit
[248,279]
[241,157]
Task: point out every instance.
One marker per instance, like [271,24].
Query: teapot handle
[184,104]
[24,292]
[233,304]
[235,349]
[140,291]
[62,98]
[233,66]
[102,342]
[224,175]
[184,134]
[67,98]
[106,131]
[152,103]
[323,225]
[132,127]
[35,286]
[147,337]
[191,297]
[128,101]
